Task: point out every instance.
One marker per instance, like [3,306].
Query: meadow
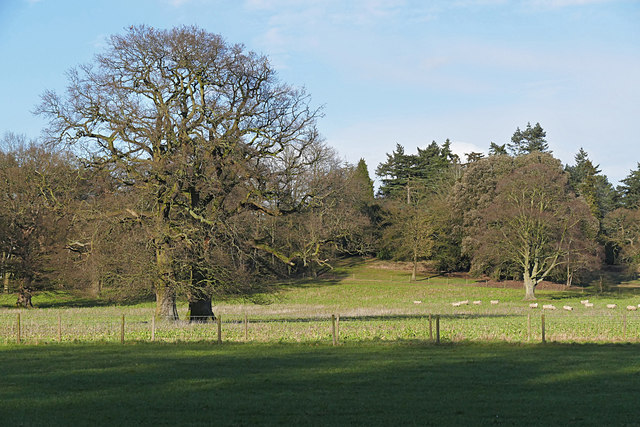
[374,302]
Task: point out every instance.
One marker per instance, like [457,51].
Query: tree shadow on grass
[593,293]
[65,299]
[370,383]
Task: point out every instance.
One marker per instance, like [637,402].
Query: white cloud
[462,148]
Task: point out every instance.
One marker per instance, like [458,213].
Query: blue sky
[386,71]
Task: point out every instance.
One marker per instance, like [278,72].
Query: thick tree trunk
[200,310]
[97,287]
[6,282]
[24,297]
[529,287]
[165,293]
[166,303]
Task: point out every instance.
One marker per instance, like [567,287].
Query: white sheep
[586,301]
[494,301]
[417,302]
[477,302]
[612,305]
[455,304]
[465,302]
[548,307]
[567,307]
[632,308]
[533,305]
[589,305]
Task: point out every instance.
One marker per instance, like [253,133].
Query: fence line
[32,327]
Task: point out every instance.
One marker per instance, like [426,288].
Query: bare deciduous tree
[528,219]
[200,125]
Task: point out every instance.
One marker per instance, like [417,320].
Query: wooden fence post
[529,327]
[59,328]
[333,328]
[624,326]
[153,328]
[430,329]
[219,320]
[338,328]
[438,329]
[246,327]
[18,337]
[122,330]
[543,330]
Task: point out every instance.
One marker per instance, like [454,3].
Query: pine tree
[529,140]
[361,175]
[395,172]
[497,150]
[404,174]
[629,191]
[585,180]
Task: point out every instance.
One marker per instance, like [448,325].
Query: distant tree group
[517,213]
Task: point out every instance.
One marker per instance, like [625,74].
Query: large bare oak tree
[202,126]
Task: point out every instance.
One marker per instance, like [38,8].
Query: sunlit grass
[373,303]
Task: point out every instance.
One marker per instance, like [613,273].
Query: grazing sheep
[533,305]
[465,302]
[586,301]
[588,304]
[632,308]
[612,305]
[417,302]
[477,302]
[567,307]
[548,307]
[455,304]
[494,301]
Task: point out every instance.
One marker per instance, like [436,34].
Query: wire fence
[39,327]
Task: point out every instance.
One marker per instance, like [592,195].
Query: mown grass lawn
[400,383]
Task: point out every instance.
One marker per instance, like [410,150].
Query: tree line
[178,165]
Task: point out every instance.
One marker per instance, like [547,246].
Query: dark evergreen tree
[361,175]
[395,173]
[497,150]
[404,174]
[629,190]
[474,156]
[586,181]
[529,140]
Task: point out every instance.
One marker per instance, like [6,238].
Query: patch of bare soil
[516,284]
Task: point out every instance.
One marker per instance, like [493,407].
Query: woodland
[177,165]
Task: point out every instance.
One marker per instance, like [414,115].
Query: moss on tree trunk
[165,292]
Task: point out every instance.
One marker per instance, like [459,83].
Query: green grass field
[488,369]
[301,384]
[374,302]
